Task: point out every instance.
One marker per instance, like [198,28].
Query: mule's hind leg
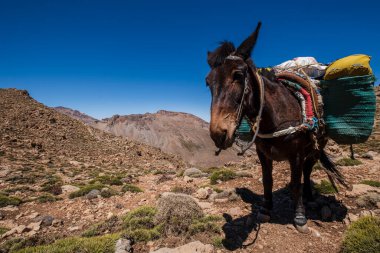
[307,169]
[266,167]
[296,165]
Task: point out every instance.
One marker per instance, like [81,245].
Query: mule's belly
[280,149]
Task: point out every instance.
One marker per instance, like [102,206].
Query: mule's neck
[280,108]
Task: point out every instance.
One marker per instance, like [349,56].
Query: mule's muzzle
[222,138]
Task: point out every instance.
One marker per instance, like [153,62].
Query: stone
[33,215]
[57,222]
[123,246]
[369,155]
[93,194]
[235,211]
[192,172]
[205,205]
[75,228]
[326,213]
[368,200]
[315,232]
[188,179]
[110,215]
[203,193]
[193,247]
[360,189]
[34,226]
[46,220]
[21,229]
[352,217]
[67,189]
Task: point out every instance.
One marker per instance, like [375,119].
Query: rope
[258,118]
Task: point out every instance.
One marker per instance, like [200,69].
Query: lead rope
[256,125]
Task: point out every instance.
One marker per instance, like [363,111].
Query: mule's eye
[237,76]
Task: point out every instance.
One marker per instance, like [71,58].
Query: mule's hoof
[300,220]
[304,229]
[263,218]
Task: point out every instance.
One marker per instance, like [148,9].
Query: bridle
[256,124]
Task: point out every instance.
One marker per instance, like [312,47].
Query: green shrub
[109,180]
[52,185]
[112,225]
[363,236]
[222,175]
[182,189]
[217,242]
[47,198]
[348,162]
[371,183]
[131,188]
[102,244]
[3,230]
[325,187]
[139,224]
[206,224]
[6,201]
[85,189]
[108,192]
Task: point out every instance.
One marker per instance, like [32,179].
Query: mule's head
[226,80]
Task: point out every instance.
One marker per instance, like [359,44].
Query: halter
[256,124]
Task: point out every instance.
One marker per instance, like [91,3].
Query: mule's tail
[332,171]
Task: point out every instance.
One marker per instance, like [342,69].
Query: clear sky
[122,57]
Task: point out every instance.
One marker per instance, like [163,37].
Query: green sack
[349,108]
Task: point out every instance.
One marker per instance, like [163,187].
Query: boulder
[66,189]
[93,194]
[194,172]
[123,246]
[193,247]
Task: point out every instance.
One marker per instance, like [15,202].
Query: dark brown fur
[281,110]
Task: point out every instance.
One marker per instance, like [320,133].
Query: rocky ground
[59,177]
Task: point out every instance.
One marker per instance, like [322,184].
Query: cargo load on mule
[339,95]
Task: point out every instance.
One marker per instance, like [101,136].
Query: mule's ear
[245,49]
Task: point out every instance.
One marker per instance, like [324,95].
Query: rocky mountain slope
[177,133]
[67,187]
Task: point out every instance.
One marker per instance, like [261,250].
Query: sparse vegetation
[206,224]
[108,192]
[182,189]
[85,189]
[101,244]
[139,224]
[325,187]
[131,188]
[52,185]
[217,241]
[108,180]
[348,162]
[47,198]
[6,201]
[3,230]
[363,236]
[371,183]
[111,225]
[222,175]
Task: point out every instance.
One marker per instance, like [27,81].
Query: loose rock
[193,247]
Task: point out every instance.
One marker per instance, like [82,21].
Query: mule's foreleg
[267,167]
[296,165]
[307,169]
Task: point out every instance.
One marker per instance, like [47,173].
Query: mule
[235,91]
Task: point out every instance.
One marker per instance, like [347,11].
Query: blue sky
[123,57]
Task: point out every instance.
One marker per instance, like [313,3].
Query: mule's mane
[216,58]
